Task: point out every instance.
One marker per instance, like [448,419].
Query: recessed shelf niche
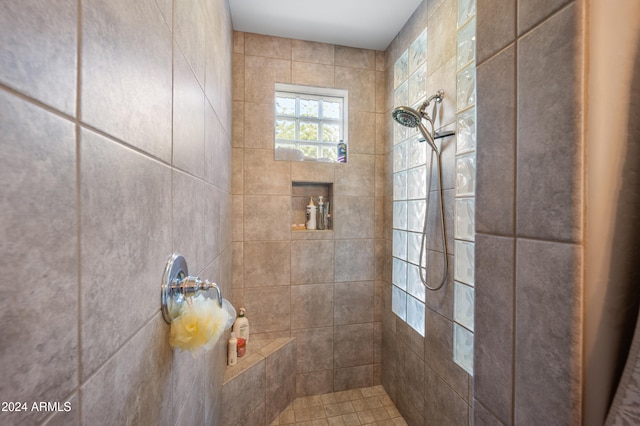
[300,193]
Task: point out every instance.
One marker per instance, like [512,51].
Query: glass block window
[464,232]
[309,122]
[409,188]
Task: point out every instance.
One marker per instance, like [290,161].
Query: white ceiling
[368,24]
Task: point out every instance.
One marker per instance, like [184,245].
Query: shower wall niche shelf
[300,193]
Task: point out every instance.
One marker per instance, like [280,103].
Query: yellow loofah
[198,326]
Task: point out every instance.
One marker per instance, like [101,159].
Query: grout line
[79,372]
[514,251]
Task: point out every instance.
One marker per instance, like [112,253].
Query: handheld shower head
[406,116]
[409,117]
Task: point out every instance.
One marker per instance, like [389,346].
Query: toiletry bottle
[320,219]
[242,347]
[232,350]
[311,215]
[342,152]
[241,326]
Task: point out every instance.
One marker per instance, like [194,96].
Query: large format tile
[354,260]
[38,45]
[438,350]
[354,302]
[314,348]
[496,150]
[361,85]
[141,372]
[495,29]
[264,175]
[530,14]
[269,308]
[188,119]
[189,32]
[312,261]
[260,76]
[267,217]
[125,242]
[548,333]
[354,217]
[353,345]
[311,305]
[38,241]
[219,75]
[356,177]
[493,336]
[265,45]
[266,263]
[443,405]
[549,153]
[126,73]
[310,51]
[189,238]
[218,162]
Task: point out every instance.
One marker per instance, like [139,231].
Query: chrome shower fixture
[410,117]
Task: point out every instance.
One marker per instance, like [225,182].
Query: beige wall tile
[238,42]
[39,46]
[361,85]
[354,302]
[355,58]
[312,52]
[356,177]
[353,217]
[314,348]
[112,231]
[362,132]
[312,172]
[442,35]
[261,74]
[381,94]
[267,263]
[238,218]
[312,261]
[267,217]
[314,383]
[188,119]
[264,175]
[353,377]
[259,125]
[312,74]
[126,94]
[311,306]
[145,364]
[237,157]
[238,78]
[268,308]
[189,31]
[264,45]
[218,162]
[354,260]
[381,64]
[40,241]
[238,125]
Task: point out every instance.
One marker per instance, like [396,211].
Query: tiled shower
[133,140]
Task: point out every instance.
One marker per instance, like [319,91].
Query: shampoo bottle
[232,350]
[321,212]
[241,326]
[311,215]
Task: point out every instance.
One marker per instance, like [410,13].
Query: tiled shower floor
[364,406]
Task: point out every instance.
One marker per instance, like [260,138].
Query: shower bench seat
[262,384]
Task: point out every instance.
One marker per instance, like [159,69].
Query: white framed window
[309,122]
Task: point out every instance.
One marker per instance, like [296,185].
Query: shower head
[406,116]
[409,117]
